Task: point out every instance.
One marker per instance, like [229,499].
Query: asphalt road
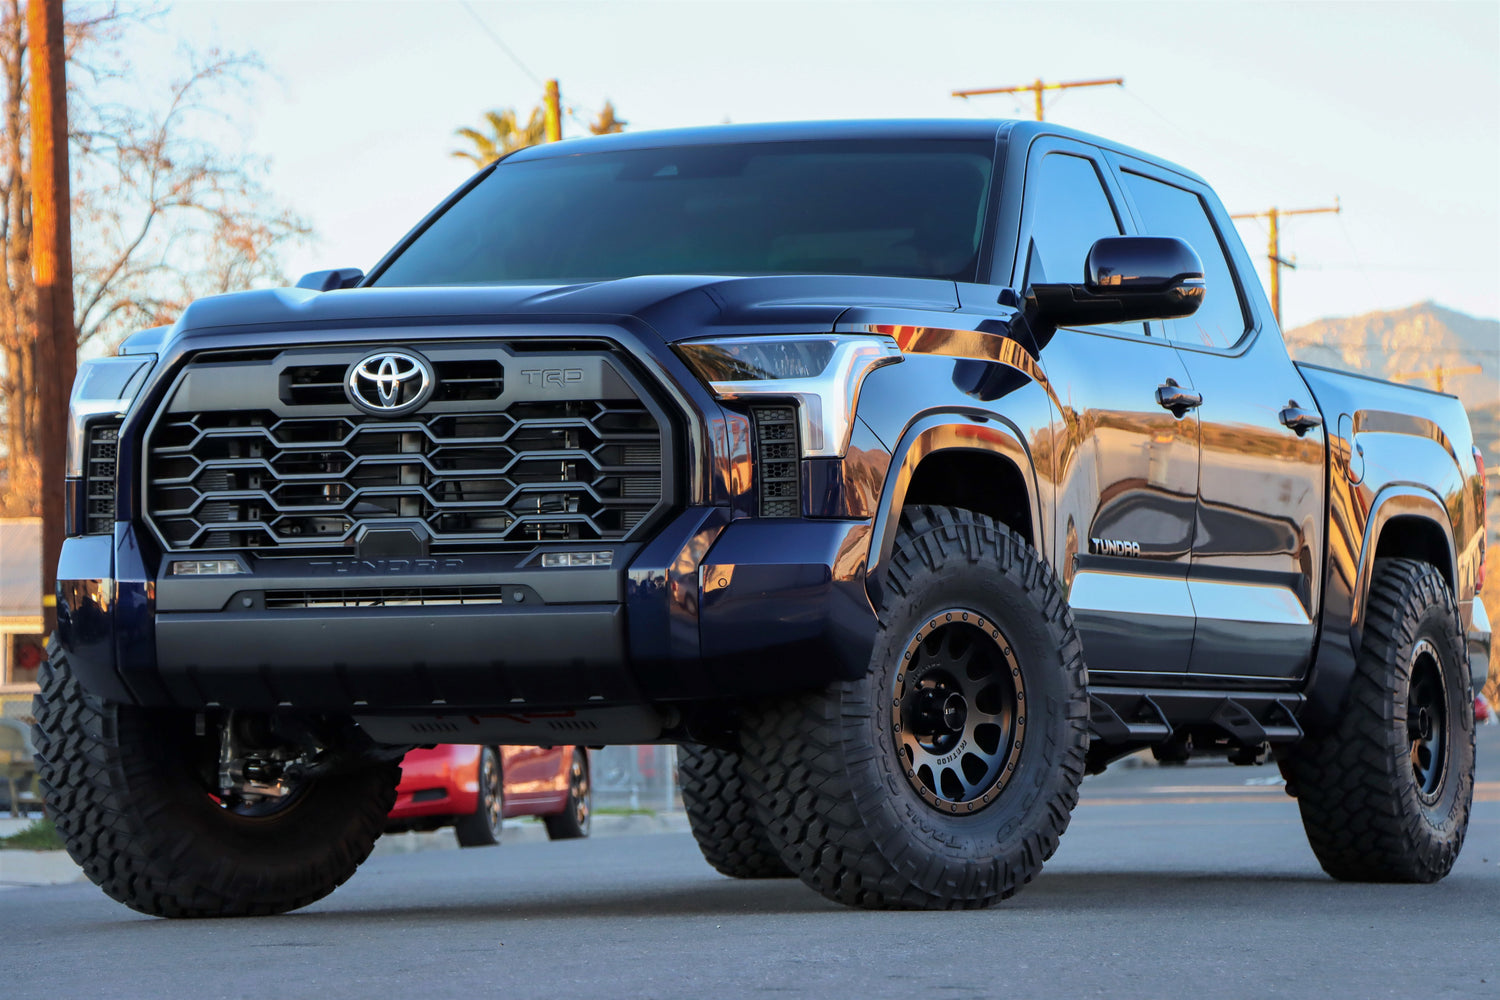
[1170,883]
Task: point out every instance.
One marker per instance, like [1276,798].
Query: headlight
[104,387]
[822,373]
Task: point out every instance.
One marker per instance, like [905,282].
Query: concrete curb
[19,869]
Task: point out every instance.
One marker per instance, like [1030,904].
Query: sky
[1393,109]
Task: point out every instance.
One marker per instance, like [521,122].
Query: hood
[676,307]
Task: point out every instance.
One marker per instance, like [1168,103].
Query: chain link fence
[636,778]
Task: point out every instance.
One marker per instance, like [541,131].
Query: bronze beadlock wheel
[927,783]
[957,711]
[1427,721]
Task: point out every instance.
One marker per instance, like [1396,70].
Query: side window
[1069,211]
[1167,210]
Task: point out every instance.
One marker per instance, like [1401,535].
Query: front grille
[323,384]
[308,474]
[778,461]
[382,597]
[99,477]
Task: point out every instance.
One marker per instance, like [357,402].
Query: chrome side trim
[1130,594]
[1246,602]
[1136,594]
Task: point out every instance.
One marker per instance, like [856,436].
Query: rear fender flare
[1396,502]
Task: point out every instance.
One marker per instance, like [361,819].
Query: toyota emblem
[390,383]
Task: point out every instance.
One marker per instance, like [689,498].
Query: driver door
[1126,470]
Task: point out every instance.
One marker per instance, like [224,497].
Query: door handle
[1298,419]
[1177,399]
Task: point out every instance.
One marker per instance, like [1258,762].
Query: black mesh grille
[99,477]
[537,472]
[381,597]
[778,461]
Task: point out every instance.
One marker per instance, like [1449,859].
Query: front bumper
[713,607]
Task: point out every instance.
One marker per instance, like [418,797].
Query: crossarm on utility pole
[1437,374]
[1273,217]
[1037,87]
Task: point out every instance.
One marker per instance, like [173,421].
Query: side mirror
[327,281]
[1126,279]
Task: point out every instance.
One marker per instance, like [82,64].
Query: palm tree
[607,122]
[505,135]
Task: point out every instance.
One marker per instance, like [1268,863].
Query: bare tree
[161,213]
[172,217]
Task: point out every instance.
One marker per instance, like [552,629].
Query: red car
[474,788]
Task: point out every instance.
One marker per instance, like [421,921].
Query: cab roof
[998,129]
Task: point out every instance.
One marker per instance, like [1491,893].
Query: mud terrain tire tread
[854,834]
[1354,788]
[101,776]
[722,814]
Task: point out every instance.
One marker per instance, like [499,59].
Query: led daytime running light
[822,374]
[103,387]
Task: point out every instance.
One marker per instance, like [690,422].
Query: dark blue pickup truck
[903,472]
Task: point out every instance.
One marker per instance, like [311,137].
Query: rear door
[1125,469]
[1258,536]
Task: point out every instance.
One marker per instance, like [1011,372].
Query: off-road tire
[824,770]
[1356,785]
[577,817]
[481,828]
[722,814]
[148,834]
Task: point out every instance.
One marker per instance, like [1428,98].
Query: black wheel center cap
[955,712]
[1424,724]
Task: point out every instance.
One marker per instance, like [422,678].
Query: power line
[555,114]
[503,47]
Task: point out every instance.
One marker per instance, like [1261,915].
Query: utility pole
[1437,374]
[1273,254]
[52,263]
[554,112]
[1037,87]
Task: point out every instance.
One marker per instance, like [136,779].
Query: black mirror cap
[1161,277]
[327,281]
[1127,279]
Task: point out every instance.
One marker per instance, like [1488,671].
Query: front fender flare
[925,436]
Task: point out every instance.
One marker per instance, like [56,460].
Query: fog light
[207,567]
[554,560]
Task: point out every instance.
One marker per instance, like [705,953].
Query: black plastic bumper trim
[415,659]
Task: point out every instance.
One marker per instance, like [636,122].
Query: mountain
[1419,338]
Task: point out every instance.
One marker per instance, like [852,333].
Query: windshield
[913,208]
